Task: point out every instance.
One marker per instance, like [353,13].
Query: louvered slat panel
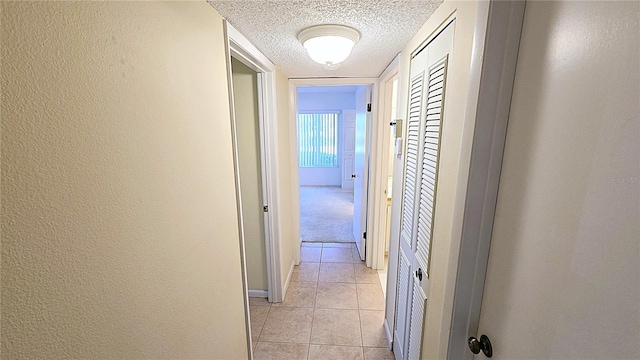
[417,320]
[431,139]
[411,166]
[427,203]
[402,301]
[429,175]
[429,162]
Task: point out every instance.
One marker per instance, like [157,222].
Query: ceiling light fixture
[329,45]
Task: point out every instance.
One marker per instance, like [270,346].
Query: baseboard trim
[388,332]
[258,293]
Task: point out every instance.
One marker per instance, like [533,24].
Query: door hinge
[369,107]
[265,208]
[364,235]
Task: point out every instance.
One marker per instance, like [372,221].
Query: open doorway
[331,123]
[392,147]
[250,166]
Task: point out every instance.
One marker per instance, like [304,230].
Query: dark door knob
[353,176]
[483,345]
[419,274]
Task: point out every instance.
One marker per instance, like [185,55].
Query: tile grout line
[313,312]
[359,318]
[355,280]
[265,322]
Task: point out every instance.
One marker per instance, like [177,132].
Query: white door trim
[378,183]
[293,135]
[493,65]
[241,49]
[245,290]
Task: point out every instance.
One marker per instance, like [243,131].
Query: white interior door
[426,99]
[360,169]
[348,148]
[562,279]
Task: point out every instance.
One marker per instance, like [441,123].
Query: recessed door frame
[241,49]
[378,191]
[380,152]
[293,106]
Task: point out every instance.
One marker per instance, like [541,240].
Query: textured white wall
[119,225]
[564,266]
[245,98]
[447,227]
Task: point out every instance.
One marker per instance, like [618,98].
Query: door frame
[493,66]
[241,49]
[294,83]
[380,159]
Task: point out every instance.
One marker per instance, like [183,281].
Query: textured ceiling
[272,26]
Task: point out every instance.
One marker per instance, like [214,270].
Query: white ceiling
[273,25]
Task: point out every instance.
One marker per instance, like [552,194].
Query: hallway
[334,309]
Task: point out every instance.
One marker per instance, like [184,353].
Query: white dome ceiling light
[329,45]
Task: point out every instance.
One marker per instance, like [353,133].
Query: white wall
[447,225]
[321,176]
[564,266]
[333,100]
[289,212]
[325,101]
[245,90]
[119,223]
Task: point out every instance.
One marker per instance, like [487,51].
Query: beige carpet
[326,214]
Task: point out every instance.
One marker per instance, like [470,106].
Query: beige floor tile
[259,301]
[311,244]
[336,296]
[336,272]
[337,245]
[254,343]
[372,325]
[336,327]
[310,254]
[300,294]
[257,314]
[370,297]
[287,324]
[365,275]
[378,354]
[307,271]
[337,255]
[332,352]
[279,351]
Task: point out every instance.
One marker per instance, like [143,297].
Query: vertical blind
[318,139]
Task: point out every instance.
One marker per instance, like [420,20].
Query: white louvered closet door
[424,123]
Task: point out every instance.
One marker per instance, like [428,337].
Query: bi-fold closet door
[424,123]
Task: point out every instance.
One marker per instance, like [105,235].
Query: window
[318,139]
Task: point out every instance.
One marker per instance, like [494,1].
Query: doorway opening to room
[392,147]
[331,124]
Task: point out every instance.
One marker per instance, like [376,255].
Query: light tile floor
[333,309]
